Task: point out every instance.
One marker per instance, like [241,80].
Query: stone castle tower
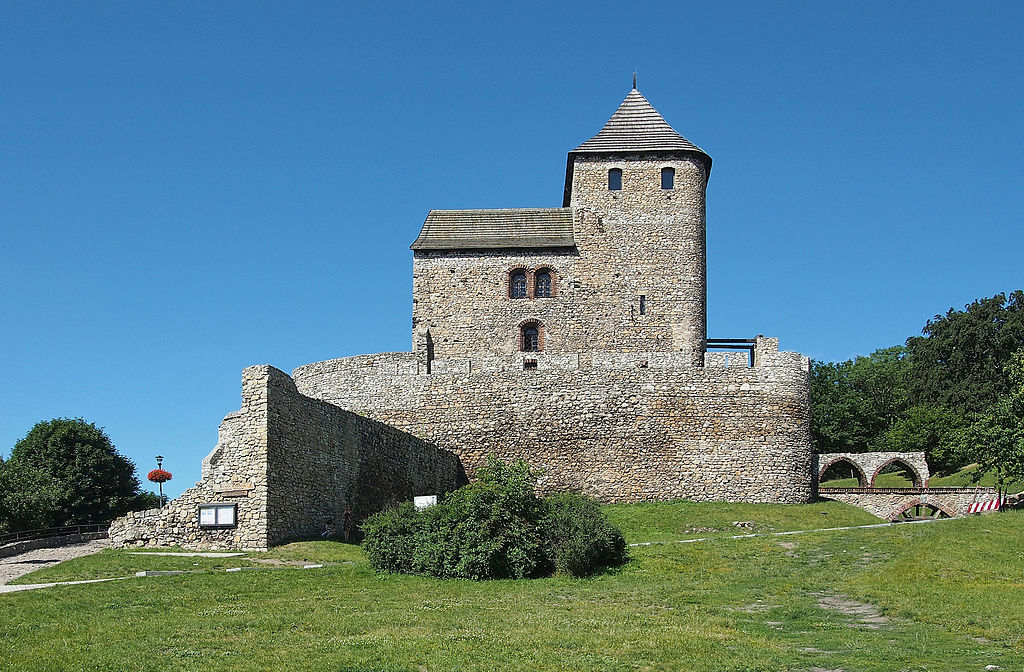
[619,268]
[638,190]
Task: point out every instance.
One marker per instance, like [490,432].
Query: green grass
[951,592]
[681,519]
[113,563]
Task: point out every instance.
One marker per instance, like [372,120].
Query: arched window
[530,337]
[668,178]
[615,179]
[517,285]
[542,284]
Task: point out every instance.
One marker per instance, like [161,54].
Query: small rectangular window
[668,178]
[529,364]
[643,304]
[615,179]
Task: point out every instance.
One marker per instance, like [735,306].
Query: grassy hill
[939,596]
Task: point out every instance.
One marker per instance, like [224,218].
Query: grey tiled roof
[635,127]
[488,229]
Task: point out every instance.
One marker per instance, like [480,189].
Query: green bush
[390,535]
[581,539]
[495,528]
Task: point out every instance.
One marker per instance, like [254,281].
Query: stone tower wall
[642,240]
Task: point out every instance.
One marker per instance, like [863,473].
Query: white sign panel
[207,515]
[217,515]
[424,501]
[226,515]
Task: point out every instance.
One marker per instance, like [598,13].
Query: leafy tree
[854,403]
[961,361]
[995,440]
[933,430]
[65,472]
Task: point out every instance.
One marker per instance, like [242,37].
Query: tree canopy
[956,392]
[961,361]
[66,472]
[854,403]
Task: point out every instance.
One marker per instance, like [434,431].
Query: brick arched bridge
[895,503]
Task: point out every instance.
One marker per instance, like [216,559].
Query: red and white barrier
[982,507]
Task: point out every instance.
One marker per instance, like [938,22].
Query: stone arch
[916,501]
[918,480]
[862,478]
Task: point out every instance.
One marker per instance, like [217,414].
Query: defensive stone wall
[323,459]
[625,431]
[291,464]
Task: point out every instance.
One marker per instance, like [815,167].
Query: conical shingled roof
[637,127]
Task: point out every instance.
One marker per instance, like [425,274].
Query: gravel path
[29,561]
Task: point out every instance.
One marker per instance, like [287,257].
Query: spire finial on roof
[634,78]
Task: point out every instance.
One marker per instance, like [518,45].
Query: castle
[572,337]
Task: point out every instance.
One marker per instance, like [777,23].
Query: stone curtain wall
[291,463]
[235,472]
[628,431]
[323,459]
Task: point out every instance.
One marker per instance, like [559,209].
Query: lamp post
[160,465]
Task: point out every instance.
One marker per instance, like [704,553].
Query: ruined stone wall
[870,464]
[323,459]
[235,472]
[291,464]
[627,431]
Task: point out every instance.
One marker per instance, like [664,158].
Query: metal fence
[48,532]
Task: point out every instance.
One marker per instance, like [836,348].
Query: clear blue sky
[187,189]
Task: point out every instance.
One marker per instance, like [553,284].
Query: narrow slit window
[668,178]
[615,179]
[517,287]
[542,285]
[643,304]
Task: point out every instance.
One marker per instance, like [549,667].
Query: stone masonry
[622,429]
[292,464]
[867,466]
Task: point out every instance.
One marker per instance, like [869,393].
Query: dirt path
[29,561]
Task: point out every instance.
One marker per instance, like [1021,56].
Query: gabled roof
[635,128]
[490,229]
